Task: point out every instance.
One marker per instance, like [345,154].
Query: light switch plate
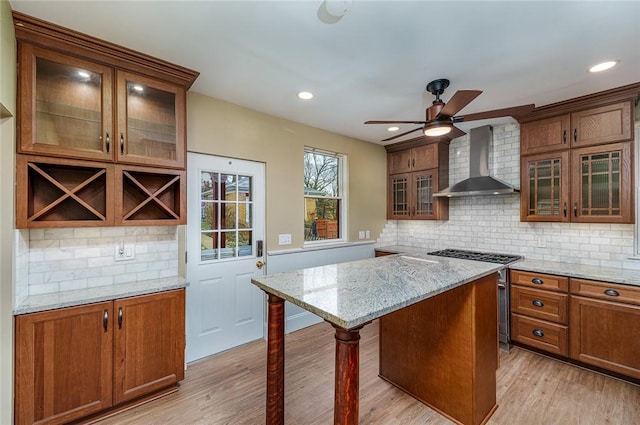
[284,239]
[361,234]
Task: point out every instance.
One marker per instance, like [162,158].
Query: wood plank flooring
[229,388]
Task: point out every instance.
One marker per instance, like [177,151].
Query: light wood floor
[229,388]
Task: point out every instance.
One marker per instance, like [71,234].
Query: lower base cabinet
[78,361]
[603,320]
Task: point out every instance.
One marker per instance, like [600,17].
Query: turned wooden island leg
[345,410]
[275,361]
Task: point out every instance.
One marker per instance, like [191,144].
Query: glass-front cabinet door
[545,187]
[66,105]
[424,185]
[399,196]
[602,184]
[151,118]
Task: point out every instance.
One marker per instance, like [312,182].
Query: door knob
[259,264]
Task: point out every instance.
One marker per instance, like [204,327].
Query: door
[148,344]
[63,363]
[225,224]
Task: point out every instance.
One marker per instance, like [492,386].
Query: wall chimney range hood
[479,182]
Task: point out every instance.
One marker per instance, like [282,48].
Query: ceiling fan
[440,117]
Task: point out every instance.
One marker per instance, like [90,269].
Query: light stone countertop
[354,293]
[36,303]
[605,274]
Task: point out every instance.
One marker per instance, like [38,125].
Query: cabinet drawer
[540,334]
[540,280]
[606,291]
[540,304]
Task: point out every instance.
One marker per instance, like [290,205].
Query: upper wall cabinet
[79,97]
[593,126]
[576,160]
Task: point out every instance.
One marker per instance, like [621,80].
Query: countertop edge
[44,302]
[600,273]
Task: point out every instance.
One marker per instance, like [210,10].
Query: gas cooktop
[489,257]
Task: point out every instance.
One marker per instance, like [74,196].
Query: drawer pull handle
[537,281]
[120,318]
[538,333]
[611,292]
[537,303]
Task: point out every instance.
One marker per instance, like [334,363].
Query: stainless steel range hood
[479,181]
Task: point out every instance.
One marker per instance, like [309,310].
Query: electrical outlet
[284,239]
[361,234]
[124,252]
[542,241]
[367,234]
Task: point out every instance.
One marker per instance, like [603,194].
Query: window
[323,195]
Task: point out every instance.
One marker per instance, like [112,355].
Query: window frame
[342,197]
[636,154]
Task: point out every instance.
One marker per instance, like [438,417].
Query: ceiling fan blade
[401,134]
[459,100]
[455,133]
[395,122]
[513,111]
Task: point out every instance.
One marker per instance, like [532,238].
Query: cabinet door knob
[538,333]
[122,143]
[119,317]
[564,136]
[537,303]
[611,292]
[105,320]
[575,134]
[107,141]
[575,209]
[537,281]
[565,209]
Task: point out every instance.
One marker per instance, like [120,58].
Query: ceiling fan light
[436,128]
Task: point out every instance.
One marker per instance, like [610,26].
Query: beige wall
[7,149]
[220,128]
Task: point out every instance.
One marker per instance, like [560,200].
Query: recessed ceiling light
[393,128]
[305,95]
[603,66]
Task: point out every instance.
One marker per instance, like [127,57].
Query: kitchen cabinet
[585,185]
[592,126]
[74,103]
[101,132]
[539,306]
[79,361]
[605,324]
[59,192]
[410,194]
[413,159]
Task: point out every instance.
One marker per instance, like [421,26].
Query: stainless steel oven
[503,283]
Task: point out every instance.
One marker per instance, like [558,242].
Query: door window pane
[226,219]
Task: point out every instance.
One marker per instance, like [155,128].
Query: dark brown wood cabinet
[83,99]
[609,123]
[586,185]
[539,306]
[79,361]
[605,324]
[414,175]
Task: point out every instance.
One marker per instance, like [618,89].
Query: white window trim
[343,184]
[636,233]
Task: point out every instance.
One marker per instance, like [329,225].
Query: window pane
[208,246]
[228,186]
[322,190]
[322,219]
[321,175]
[228,215]
[208,186]
[245,244]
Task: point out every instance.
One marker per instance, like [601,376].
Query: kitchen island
[427,305]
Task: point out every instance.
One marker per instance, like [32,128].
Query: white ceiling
[374,63]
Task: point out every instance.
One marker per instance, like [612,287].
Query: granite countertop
[354,293]
[605,274]
[36,303]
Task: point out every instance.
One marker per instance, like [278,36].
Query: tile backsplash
[56,260]
[492,223]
